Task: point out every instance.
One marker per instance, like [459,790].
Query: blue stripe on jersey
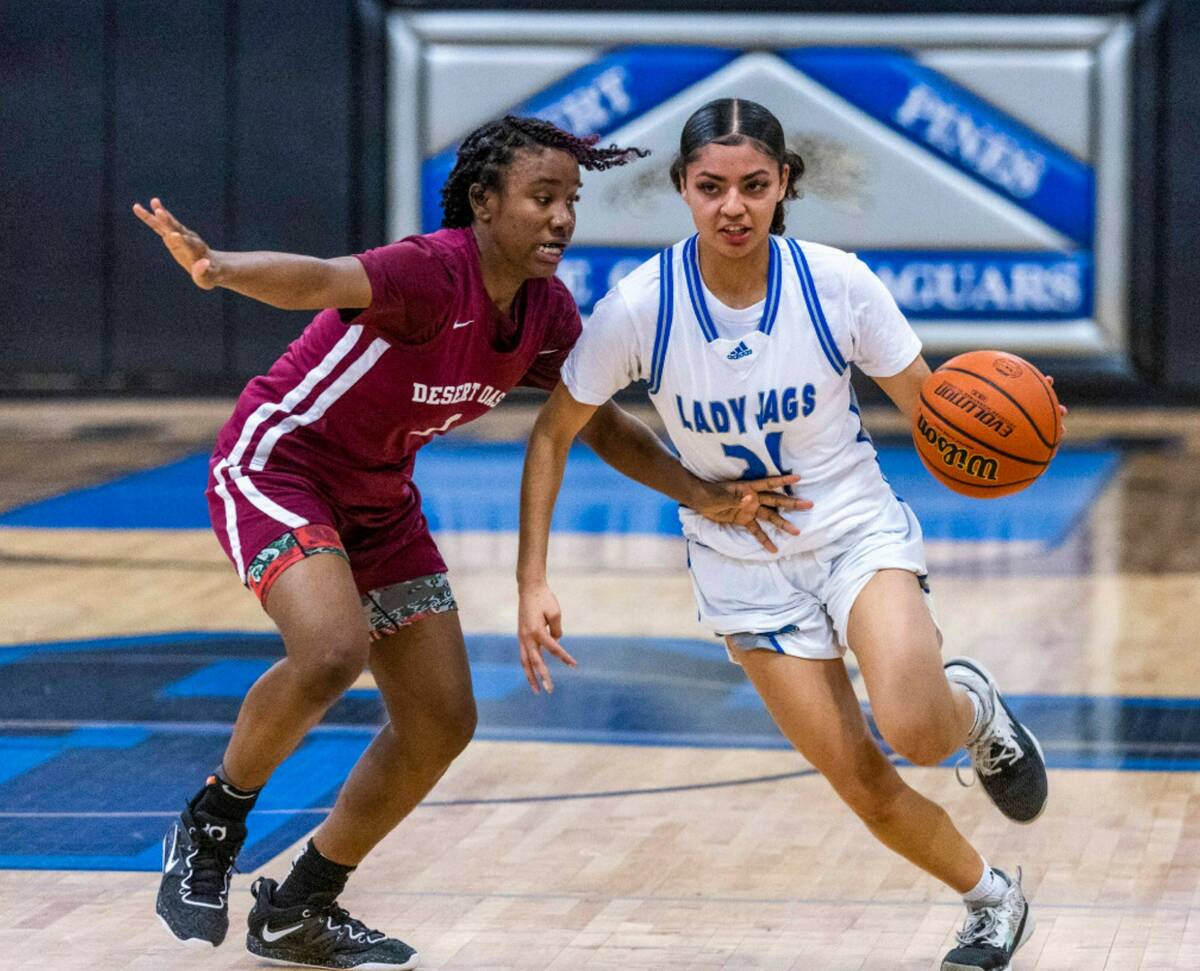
[820,325]
[774,289]
[666,311]
[691,272]
[865,436]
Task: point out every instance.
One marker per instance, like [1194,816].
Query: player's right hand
[539,625]
[190,251]
[749,503]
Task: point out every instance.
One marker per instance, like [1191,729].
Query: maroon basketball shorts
[267,521]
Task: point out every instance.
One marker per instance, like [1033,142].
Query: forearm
[632,448]
[905,388]
[289,281]
[545,460]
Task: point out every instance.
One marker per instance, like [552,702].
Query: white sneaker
[990,936]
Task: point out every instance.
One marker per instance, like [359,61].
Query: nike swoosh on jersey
[271,936]
[463,323]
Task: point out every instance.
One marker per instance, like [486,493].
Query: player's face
[732,191]
[533,214]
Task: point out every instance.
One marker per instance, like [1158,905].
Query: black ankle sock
[312,874]
[224,800]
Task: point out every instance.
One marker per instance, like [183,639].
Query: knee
[430,743]
[919,742]
[327,672]
[872,792]
[875,805]
[457,730]
[867,782]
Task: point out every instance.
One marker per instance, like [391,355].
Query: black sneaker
[193,896]
[991,935]
[319,934]
[1005,754]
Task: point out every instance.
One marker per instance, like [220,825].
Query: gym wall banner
[976,163]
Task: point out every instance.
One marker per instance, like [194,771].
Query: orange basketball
[987,424]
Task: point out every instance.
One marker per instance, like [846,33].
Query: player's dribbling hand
[189,250]
[1062,409]
[539,625]
[751,502]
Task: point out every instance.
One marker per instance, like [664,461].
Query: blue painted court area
[469,485]
[101,741]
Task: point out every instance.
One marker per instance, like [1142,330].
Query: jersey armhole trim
[815,312]
[666,312]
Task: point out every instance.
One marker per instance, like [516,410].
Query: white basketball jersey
[775,399]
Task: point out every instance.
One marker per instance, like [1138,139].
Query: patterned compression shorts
[387,608]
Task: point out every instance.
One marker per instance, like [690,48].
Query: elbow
[592,437]
[547,443]
[601,429]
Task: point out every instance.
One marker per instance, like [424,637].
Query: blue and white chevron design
[1048,278]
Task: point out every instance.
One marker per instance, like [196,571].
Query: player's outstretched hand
[539,625]
[189,250]
[751,502]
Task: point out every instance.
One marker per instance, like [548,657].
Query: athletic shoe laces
[982,927]
[337,930]
[992,752]
[211,861]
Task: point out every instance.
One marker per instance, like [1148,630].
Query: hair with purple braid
[489,149]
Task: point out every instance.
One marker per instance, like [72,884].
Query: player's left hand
[539,628]
[205,266]
[751,502]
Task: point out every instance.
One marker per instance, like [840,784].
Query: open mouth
[735,234]
[551,252]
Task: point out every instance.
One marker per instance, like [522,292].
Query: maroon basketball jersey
[356,395]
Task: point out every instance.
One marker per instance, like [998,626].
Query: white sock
[989,891]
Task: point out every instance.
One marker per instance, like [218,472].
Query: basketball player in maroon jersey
[426,334]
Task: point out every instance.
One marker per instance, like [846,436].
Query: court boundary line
[245,879]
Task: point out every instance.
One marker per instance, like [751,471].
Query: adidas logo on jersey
[739,352]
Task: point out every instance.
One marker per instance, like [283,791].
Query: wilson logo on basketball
[976,409]
[958,456]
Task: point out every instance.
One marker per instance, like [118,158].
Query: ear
[481,202]
[681,183]
[785,175]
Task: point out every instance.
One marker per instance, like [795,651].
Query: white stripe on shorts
[344,383]
[298,393]
[262,503]
[231,530]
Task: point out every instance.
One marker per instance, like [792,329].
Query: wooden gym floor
[689,851]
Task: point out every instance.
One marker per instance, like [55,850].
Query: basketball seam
[1028,417]
[978,441]
[1053,399]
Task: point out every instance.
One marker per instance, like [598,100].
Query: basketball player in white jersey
[745,338]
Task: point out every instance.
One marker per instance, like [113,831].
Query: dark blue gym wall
[263,125]
[259,123]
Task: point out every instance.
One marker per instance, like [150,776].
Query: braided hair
[489,149]
[735,121]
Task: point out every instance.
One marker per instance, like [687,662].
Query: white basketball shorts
[800,604]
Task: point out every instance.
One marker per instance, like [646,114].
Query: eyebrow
[721,178]
[546,180]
